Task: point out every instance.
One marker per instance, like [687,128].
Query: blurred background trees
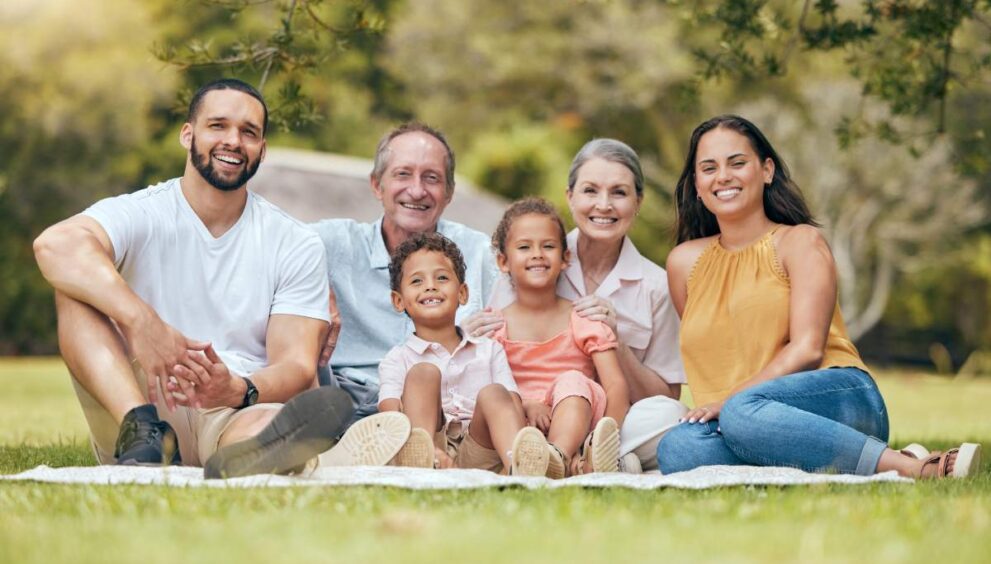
[880,107]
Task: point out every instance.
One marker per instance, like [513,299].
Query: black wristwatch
[250,395]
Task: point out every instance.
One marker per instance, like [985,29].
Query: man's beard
[204,165]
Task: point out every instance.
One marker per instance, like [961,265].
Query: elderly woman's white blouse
[638,289]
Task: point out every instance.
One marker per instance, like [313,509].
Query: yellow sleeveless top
[736,319]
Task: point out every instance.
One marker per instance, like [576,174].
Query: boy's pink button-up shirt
[474,364]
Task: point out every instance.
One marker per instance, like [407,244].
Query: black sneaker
[306,426]
[146,440]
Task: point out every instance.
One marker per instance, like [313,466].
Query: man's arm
[330,341]
[76,257]
[292,343]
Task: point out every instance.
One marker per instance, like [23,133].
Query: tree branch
[799,30]
[287,28]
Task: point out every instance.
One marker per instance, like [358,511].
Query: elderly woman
[610,281]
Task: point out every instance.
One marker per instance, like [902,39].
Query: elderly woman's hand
[483,323]
[596,309]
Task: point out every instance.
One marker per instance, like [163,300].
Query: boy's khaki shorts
[198,430]
[465,451]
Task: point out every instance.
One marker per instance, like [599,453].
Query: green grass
[40,423]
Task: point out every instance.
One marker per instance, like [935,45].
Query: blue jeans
[830,420]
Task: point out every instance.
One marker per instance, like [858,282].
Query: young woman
[776,379]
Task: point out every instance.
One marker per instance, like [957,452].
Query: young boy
[456,390]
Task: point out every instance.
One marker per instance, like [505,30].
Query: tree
[911,54]
[75,99]
[312,59]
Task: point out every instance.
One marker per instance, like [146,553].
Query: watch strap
[250,393]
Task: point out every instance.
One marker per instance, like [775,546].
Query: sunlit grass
[40,423]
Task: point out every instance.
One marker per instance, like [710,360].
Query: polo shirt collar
[629,266]
[380,254]
[420,346]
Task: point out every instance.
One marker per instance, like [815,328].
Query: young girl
[776,379]
[564,365]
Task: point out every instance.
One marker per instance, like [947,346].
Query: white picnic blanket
[426,479]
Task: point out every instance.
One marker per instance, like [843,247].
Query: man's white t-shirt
[218,289]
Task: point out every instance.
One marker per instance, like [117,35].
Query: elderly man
[413,177]
[190,310]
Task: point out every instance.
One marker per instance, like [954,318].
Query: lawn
[40,423]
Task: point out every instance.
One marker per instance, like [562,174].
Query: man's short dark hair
[425,242]
[226,84]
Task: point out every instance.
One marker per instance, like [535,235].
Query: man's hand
[158,348]
[335,330]
[538,415]
[205,381]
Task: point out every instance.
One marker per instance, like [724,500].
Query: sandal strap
[582,453]
[942,462]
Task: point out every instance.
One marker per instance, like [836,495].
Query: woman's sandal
[967,461]
[556,463]
[916,451]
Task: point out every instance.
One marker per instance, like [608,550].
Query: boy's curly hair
[425,242]
[523,207]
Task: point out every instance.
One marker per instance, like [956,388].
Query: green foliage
[527,159]
[93,93]
[949,302]
[309,38]
[75,99]
[908,53]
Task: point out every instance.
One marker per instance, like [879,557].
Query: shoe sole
[304,427]
[605,446]
[417,452]
[530,454]
[968,460]
[372,441]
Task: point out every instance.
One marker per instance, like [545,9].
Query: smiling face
[729,176]
[533,257]
[226,144]
[429,290]
[413,186]
[604,201]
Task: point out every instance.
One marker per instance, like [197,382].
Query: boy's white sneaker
[371,441]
